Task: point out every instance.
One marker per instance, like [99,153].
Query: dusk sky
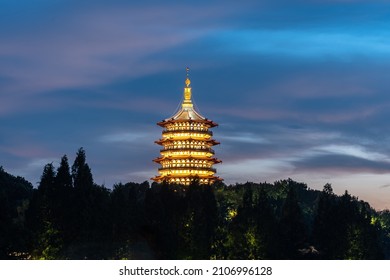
[300,89]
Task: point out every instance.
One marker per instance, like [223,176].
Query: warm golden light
[187,142]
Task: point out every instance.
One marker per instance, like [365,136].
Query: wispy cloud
[96,47]
[126,137]
[354,151]
[245,137]
[307,43]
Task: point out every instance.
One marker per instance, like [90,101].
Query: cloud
[384,186]
[311,44]
[26,150]
[88,48]
[342,164]
[244,137]
[353,151]
[256,170]
[297,150]
[125,137]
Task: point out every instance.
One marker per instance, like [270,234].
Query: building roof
[187,112]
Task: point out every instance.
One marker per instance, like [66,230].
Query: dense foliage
[70,217]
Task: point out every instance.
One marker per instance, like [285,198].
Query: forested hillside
[70,217]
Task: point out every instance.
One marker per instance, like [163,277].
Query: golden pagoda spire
[187,102]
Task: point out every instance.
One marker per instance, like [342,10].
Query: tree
[200,220]
[267,231]
[292,226]
[49,243]
[15,195]
[165,209]
[83,184]
[64,178]
[63,202]
[46,185]
[81,173]
[46,193]
[344,228]
[242,242]
[46,234]
[327,224]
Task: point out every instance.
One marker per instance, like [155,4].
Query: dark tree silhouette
[81,173]
[200,221]
[70,217]
[292,226]
[15,195]
[326,224]
[267,230]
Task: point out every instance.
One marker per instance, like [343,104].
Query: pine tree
[326,224]
[81,173]
[267,231]
[242,240]
[64,178]
[292,226]
[202,216]
[64,202]
[46,190]
[47,237]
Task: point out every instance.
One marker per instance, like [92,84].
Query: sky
[300,89]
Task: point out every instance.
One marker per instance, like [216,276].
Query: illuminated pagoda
[186,143]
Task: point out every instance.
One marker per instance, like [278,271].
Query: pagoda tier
[188,123]
[210,142]
[186,161]
[186,140]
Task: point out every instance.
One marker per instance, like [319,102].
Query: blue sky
[300,89]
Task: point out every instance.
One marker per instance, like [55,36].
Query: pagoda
[186,142]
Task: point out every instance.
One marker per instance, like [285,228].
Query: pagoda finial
[188,81]
[187,91]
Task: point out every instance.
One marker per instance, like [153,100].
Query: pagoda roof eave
[161,177]
[159,159]
[212,141]
[163,123]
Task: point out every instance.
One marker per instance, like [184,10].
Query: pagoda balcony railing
[188,149]
[207,132]
[179,128]
[188,168]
